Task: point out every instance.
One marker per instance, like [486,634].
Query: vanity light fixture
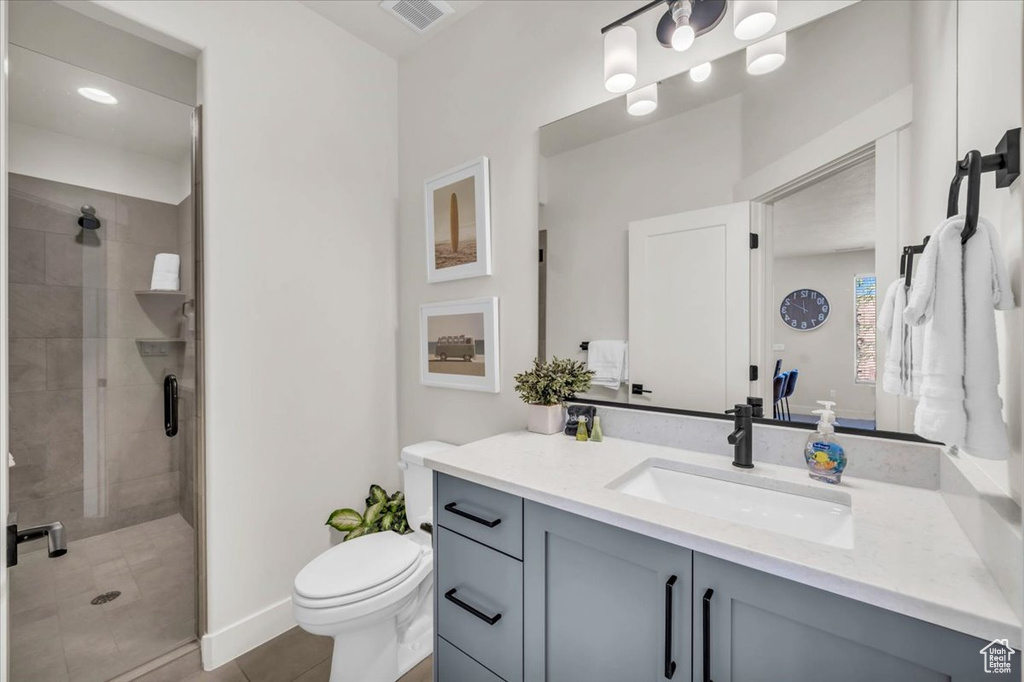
[752,19]
[683,22]
[701,72]
[767,55]
[97,95]
[620,59]
[642,101]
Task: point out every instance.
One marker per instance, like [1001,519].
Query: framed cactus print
[458,220]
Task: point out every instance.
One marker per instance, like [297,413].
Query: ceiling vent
[419,15]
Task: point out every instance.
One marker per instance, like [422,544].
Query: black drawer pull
[707,634]
[490,620]
[670,665]
[472,517]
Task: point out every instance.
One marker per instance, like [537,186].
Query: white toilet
[374,594]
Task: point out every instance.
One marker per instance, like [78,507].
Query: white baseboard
[231,642]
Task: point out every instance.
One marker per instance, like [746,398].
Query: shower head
[88,219]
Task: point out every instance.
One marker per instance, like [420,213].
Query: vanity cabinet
[746,622]
[557,597]
[602,603]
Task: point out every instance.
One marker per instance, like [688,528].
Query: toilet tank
[418,481]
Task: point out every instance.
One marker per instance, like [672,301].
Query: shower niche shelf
[155,340]
[156,293]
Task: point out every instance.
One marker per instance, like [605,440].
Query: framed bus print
[459,344]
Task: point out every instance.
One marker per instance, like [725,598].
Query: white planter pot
[545,419]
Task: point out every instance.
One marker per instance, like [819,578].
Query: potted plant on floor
[546,387]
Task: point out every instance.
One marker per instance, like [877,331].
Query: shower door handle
[171,405]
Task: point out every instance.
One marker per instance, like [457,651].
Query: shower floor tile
[58,635]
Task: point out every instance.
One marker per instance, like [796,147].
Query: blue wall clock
[805,310]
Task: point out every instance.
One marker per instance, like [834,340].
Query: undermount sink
[801,511]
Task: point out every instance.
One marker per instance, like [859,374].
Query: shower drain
[105,597]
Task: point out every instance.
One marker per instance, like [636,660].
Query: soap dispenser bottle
[825,457]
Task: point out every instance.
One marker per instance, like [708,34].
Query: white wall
[478,91]
[44,154]
[989,102]
[300,177]
[825,357]
[854,60]
[595,191]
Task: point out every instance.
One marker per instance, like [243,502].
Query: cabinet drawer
[454,666]
[480,603]
[486,515]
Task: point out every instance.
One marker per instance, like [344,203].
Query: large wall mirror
[749,226]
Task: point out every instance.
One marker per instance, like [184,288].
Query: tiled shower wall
[86,405]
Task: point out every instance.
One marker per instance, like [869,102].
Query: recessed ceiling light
[97,95]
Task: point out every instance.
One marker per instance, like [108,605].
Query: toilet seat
[357,570]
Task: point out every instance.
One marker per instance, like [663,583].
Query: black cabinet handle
[638,389]
[670,665]
[472,517]
[171,405]
[707,634]
[490,620]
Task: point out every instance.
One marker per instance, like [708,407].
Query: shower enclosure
[102,372]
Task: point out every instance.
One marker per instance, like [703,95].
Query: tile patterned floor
[57,635]
[295,656]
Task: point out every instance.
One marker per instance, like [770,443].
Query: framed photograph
[459,222]
[459,344]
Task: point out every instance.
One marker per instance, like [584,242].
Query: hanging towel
[935,303]
[986,289]
[901,373]
[165,272]
[609,362]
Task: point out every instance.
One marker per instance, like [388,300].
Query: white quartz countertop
[909,555]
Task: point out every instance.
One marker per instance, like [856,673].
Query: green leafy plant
[383,512]
[554,382]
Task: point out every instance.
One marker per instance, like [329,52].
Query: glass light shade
[642,101]
[97,95]
[700,73]
[751,19]
[620,59]
[767,55]
[683,37]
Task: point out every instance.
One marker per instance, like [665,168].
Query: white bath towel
[165,272]
[986,289]
[901,373]
[955,291]
[935,303]
[609,362]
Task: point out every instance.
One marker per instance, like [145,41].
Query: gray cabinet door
[762,627]
[599,602]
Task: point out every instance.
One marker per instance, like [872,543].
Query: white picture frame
[454,335]
[466,188]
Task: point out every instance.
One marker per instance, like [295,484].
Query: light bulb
[642,101]
[700,73]
[684,35]
[752,19]
[620,59]
[97,95]
[767,55]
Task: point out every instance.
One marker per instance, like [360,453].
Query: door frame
[4,373]
[880,132]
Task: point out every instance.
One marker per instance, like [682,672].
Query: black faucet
[742,438]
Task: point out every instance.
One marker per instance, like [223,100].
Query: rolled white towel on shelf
[165,272]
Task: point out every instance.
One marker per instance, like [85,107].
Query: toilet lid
[356,566]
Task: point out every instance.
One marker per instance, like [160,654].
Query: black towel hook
[1006,164]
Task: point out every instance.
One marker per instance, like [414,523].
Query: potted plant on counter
[546,387]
